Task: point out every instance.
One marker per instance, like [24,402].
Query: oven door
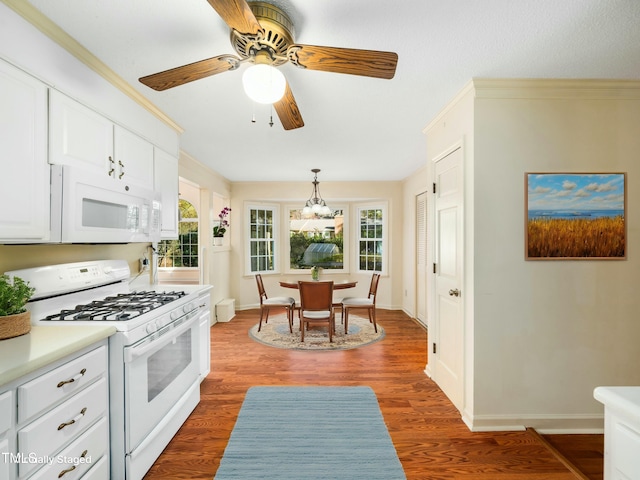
[159,370]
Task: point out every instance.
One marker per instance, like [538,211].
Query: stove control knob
[173,315]
[151,327]
[187,308]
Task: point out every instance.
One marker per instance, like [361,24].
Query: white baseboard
[545,424]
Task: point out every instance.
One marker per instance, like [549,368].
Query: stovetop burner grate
[120,307]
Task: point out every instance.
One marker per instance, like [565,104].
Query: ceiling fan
[262,34]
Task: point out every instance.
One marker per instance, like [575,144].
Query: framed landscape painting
[575,216]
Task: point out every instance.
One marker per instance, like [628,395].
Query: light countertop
[44,345]
[623,401]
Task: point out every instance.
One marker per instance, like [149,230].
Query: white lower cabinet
[5,463]
[59,420]
[49,433]
[621,431]
[80,456]
[99,471]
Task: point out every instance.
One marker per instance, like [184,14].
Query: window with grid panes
[370,239]
[316,240]
[261,239]
[183,252]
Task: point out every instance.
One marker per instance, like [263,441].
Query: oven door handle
[155,340]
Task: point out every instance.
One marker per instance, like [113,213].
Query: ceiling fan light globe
[325,210]
[306,211]
[317,208]
[264,83]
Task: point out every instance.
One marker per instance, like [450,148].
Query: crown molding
[66,41]
[543,88]
[469,87]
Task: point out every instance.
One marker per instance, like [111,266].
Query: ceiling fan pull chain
[271,117]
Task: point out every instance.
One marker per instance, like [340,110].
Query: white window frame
[286,245]
[384,206]
[275,210]
[198,245]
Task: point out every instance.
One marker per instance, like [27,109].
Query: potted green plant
[15,319]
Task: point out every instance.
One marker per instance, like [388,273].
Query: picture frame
[575,216]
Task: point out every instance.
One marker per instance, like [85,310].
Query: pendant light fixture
[315,205]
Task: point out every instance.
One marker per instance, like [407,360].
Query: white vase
[217,241]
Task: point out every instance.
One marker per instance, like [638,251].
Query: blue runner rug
[308,433]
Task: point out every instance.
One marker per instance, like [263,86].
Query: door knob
[454,293]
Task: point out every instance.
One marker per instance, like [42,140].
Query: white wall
[244,288]
[546,333]
[215,261]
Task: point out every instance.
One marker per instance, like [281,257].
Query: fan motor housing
[275,39]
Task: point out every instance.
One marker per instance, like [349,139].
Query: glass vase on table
[315,273]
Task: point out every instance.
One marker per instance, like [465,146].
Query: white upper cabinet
[81,137]
[166,184]
[24,178]
[133,158]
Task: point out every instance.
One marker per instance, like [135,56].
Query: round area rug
[276,334]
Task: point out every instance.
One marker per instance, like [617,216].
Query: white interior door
[448,349]
[421,258]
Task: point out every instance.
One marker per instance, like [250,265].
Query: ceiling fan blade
[188,73]
[237,14]
[287,110]
[368,63]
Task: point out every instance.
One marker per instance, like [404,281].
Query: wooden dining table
[337,284]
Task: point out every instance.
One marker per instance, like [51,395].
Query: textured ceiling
[356,128]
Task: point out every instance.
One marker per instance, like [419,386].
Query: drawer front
[6,411]
[51,387]
[6,466]
[79,457]
[99,471]
[625,445]
[46,435]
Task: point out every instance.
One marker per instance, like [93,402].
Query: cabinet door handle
[112,167]
[73,420]
[64,472]
[73,467]
[121,169]
[71,380]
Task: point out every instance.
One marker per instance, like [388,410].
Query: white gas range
[157,357]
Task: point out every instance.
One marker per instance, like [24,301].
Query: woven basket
[15,325]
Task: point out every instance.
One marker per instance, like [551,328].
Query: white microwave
[86,208]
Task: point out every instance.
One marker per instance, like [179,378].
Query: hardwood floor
[431,440]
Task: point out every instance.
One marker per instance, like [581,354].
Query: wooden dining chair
[362,303]
[266,304]
[316,306]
